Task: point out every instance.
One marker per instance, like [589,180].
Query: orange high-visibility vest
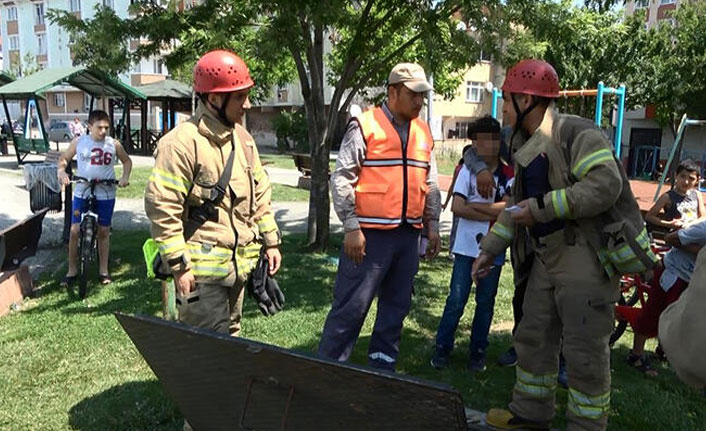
[392,184]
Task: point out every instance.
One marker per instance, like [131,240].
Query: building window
[59,99]
[485,56]
[282,94]
[108,3]
[474,92]
[75,5]
[12,13]
[42,44]
[667,1]
[641,4]
[39,13]
[158,66]
[14,43]
[137,67]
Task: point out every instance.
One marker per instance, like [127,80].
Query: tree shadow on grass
[138,406]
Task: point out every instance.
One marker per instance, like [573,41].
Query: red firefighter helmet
[221,71]
[535,77]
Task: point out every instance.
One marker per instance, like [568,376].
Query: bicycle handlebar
[76,179]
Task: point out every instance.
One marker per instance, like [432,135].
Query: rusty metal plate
[225,383]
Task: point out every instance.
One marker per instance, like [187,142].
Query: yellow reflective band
[539,386]
[561,204]
[199,251]
[587,163]
[502,231]
[589,407]
[208,269]
[249,251]
[171,245]
[267,224]
[259,174]
[169,180]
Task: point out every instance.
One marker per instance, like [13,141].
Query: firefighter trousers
[568,297]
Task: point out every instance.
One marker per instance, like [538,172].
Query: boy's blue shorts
[104,209]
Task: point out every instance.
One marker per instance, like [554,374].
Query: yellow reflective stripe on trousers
[561,204]
[587,163]
[587,406]
[605,262]
[169,180]
[536,385]
[267,224]
[502,231]
[171,245]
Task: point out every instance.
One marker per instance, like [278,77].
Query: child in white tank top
[96,155]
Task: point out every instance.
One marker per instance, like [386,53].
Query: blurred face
[99,129]
[487,145]
[404,102]
[238,103]
[685,181]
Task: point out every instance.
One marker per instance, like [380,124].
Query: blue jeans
[456,301]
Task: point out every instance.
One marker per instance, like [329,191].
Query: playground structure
[599,94]
[677,150]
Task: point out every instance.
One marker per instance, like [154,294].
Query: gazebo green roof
[166,89]
[93,82]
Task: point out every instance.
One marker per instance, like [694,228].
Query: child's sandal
[642,364]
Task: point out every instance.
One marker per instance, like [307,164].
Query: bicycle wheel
[85,248]
[620,325]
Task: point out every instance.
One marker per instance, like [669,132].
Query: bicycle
[87,249]
[633,289]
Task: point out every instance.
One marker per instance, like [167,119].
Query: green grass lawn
[446,163]
[66,364]
[140,175]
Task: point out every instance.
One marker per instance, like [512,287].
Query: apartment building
[32,41]
[640,129]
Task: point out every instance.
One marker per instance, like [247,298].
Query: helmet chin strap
[221,110]
[521,115]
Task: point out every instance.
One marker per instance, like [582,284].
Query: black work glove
[264,289]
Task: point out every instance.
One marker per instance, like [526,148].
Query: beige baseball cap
[411,75]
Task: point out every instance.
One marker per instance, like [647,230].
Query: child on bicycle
[476,214]
[667,284]
[681,205]
[96,154]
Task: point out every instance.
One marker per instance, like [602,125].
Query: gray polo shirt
[345,176]
[680,263]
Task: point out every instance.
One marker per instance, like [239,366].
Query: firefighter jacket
[189,162]
[392,185]
[580,192]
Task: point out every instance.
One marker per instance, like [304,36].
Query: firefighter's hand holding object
[481,266]
[354,245]
[274,257]
[524,215]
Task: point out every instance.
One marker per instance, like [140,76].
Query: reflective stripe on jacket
[392,185]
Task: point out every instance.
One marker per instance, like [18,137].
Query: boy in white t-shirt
[96,155]
[476,215]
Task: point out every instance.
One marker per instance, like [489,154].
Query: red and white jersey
[96,161]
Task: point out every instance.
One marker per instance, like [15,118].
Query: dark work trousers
[518,297]
[388,269]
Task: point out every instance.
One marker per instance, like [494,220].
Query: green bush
[292,131]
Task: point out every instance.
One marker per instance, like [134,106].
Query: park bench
[25,146]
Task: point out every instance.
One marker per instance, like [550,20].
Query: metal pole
[430,101]
[496,94]
[682,126]
[619,127]
[599,104]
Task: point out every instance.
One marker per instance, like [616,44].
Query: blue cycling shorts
[104,209]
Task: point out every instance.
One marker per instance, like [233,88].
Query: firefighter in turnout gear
[211,253]
[559,193]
